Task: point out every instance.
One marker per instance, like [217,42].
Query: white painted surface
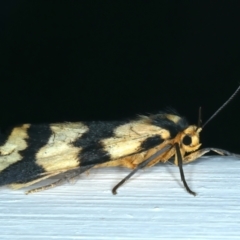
[152,205]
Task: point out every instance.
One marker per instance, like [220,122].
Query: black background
[85,60]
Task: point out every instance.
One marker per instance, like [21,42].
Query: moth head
[189,138]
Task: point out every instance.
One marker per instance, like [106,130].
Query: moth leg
[46,187]
[225,152]
[70,176]
[141,166]
[59,182]
[180,162]
[193,156]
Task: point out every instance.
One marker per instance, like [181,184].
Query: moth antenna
[232,96]
[140,166]
[199,118]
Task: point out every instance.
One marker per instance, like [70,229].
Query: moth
[32,153]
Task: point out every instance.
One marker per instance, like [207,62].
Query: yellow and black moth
[32,153]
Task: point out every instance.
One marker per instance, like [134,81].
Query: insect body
[32,153]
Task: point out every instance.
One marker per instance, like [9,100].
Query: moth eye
[187,140]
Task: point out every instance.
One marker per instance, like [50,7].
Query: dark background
[85,60]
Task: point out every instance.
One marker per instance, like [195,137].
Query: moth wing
[60,153]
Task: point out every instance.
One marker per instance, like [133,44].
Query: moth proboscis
[32,153]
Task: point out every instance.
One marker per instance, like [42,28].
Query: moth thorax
[190,139]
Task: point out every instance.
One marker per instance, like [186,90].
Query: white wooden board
[152,205]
